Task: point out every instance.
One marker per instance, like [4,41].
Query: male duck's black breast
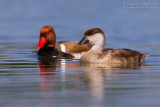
[53,52]
[48,51]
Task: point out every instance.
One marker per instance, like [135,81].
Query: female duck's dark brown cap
[93,31]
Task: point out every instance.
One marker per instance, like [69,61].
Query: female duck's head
[95,36]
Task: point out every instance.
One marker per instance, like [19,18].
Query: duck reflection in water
[96,77]
[47,65]
[95,81]
[92,78]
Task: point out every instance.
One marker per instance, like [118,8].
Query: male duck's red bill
[42,42]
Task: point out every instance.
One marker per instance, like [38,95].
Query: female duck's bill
[98,54]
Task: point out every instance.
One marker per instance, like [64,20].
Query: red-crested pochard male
[98,54]
[49,47]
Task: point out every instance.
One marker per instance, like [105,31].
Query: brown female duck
[98,54]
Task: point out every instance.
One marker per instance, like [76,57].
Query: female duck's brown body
[49,47]
[98,54]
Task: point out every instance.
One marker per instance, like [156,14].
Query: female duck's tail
[144,56]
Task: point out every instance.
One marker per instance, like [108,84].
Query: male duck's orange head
[47,36]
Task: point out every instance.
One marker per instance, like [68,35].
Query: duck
[99,54]
[48,46]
